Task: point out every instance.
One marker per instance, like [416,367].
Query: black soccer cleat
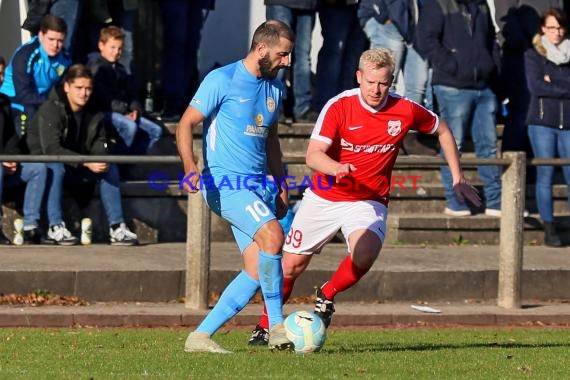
[259,336]
[324,308]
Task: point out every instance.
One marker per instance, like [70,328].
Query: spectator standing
[547,68]
[518,21]
[392,24]
[299,15]
[68,125]
[343,42]
[120,13]
[354,188]
[238,105]
[114,92]
[458,38]
[34,69]
[13,173]
[182,21]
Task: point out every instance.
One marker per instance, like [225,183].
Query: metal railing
[199,217]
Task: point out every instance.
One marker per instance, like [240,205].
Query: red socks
[345,276]
[288,283]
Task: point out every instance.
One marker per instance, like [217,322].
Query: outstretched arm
[462,188]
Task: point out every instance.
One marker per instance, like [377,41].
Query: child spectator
[113,92]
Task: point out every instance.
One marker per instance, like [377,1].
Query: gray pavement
[129,286]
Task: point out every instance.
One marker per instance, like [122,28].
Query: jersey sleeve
[210,94]
[425,121]
[328,124]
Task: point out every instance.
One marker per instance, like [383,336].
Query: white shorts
[318,220]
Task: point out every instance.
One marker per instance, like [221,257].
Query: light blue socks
[271,281]
[234,298]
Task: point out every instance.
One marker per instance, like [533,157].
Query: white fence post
[512,229]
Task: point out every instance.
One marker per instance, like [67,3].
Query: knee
[55,171]
[270,237]
[38,171]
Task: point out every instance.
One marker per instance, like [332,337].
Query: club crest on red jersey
[394,127]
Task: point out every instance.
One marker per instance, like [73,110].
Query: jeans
[475,109]
[406,58]
[138,137]
[302,22]
[183,22]
[546,142]
[70,12]
[343,42]
[109,190]
[34,174]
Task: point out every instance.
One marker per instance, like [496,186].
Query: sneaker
[33,236]
[201,342]
[324,307]
[60,235]
[259,336]
[121,235]
[497,212]
[169,117]
[452,212]
[278,338]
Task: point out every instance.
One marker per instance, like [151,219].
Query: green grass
[377,353]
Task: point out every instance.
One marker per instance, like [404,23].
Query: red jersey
[367,138]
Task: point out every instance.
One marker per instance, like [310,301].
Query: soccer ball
[306,330]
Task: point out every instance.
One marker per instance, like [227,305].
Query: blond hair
[377,57]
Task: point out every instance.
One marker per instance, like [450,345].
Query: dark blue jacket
[458,38]
[549,102]
[113,88]
[399,12]
[31,74]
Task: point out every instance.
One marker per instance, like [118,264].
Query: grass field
[535,353]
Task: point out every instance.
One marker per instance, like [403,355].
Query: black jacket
[113,88]
[549,102]
[9,141]
[458,38]
[51,130]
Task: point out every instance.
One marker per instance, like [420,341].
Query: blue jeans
[302,22]
[343,42]
[182,34]
[546,143]
[138,137]
[474,110]
[406,58]
[109,190]
[69,11]
[34,174]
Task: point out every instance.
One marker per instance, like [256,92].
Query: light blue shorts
[246,210]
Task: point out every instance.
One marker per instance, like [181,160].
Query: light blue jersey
[239,110]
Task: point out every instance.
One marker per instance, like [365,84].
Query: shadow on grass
[434,347]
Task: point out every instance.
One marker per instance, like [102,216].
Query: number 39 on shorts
[294,238]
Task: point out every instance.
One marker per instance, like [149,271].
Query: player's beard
[265,68]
